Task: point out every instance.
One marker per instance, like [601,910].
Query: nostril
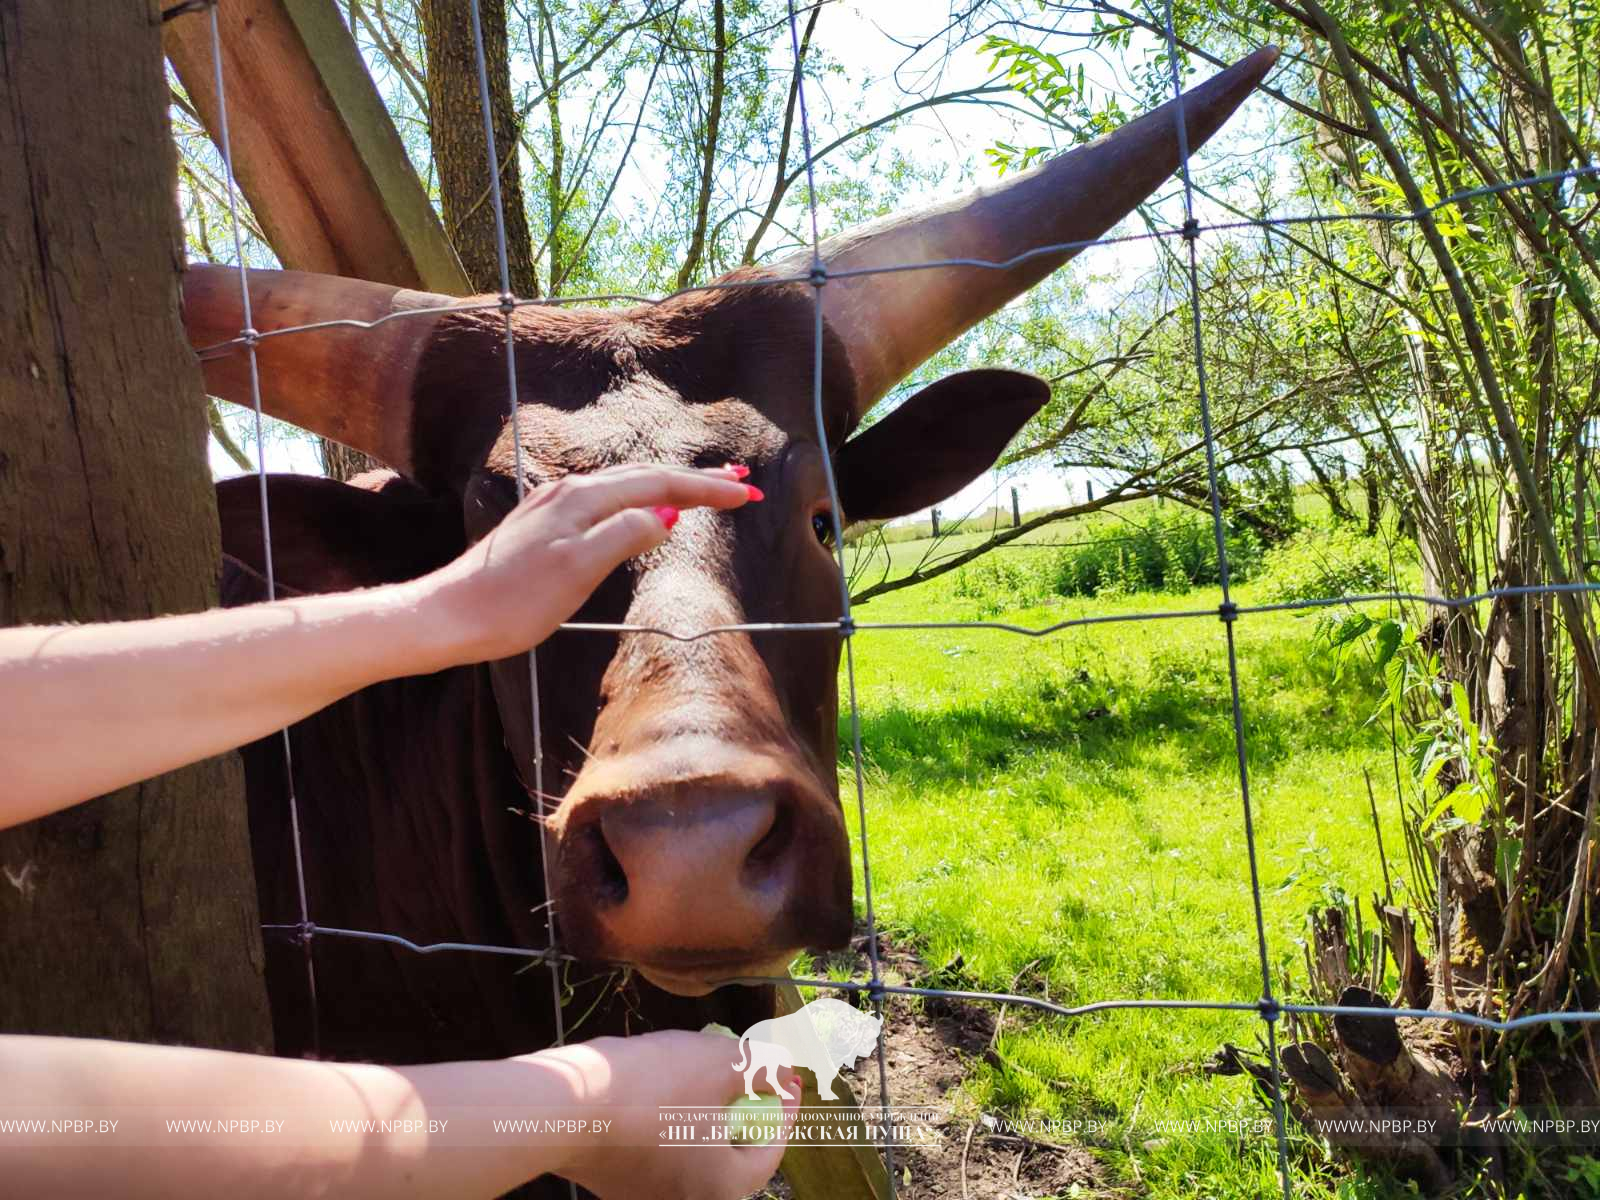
[609,880]
[726,855]
[774,844]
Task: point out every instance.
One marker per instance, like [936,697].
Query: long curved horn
[349,384]
[892,322]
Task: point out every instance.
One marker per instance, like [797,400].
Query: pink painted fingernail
[737,470]
[666,514]
[755,492]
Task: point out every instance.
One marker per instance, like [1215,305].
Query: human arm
[325,1150]
[94,707]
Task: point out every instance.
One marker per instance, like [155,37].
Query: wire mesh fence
[875,988]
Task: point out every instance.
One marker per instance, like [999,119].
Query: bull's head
[698,832]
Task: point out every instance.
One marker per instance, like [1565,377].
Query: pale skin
[154,695]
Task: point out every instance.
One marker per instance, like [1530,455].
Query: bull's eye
[822,526]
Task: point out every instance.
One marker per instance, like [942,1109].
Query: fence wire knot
[1268,1008]
[249,337]
[818,275]
[1191,229]
[1227,612]
[508,303]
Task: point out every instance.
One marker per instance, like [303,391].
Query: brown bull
[694,820]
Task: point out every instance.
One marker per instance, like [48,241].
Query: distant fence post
[1016,509]
[1089,484]
[935,515]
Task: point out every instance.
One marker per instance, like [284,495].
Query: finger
[624,535]
[762,1160]
[729,470]
[755,1165]
[610,492]
[796,1088]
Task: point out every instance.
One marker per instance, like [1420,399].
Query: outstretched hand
[156,694]
[634,1078]
[510,590]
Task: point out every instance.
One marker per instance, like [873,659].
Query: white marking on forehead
[645,420]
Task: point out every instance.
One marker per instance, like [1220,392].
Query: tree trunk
[1429,512]
[555,183]
[708,161]
[342,463]
[132,916]
[1332,490]
[1514,686]
[455,127]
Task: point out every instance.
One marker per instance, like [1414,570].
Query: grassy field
[1064,814]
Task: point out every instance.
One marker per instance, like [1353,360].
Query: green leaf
[1434,813]
[1349,629]
[1432,772]
[1507,854]
[1468,803]
[1394,678]
[1389,633]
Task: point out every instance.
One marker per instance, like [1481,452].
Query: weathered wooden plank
[132,916]
[314,149]
[817,1172]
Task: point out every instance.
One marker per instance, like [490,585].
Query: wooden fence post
[314,149]
[831,1172]
[132,916]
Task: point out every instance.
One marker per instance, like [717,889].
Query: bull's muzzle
[701,876]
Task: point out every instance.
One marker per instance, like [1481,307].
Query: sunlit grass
[1065,815]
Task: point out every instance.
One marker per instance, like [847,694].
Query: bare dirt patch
[931,1044]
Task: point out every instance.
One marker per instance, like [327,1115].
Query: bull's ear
[935,443]
[329,536]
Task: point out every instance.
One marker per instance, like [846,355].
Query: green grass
[871,560]
[1067,810]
